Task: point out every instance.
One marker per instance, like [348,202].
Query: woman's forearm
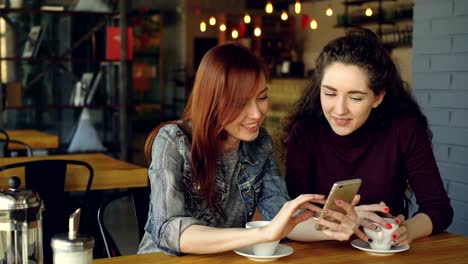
[419,226]
[198,239]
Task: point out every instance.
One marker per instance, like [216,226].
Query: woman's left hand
[401,236]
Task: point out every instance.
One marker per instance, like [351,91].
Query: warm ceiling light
[369,12]
[234,34]
[257,32]
[269,7]
[202,26]
[222,27]
[297,7]
[212,21]
[329,11]
[247,19]
[284,15]
[313,24]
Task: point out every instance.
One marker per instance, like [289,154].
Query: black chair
[5,141]
[118,210]
[47,178]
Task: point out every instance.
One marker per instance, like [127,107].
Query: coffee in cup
[262,249]
[381,239]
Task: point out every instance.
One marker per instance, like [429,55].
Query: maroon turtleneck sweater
[384,158]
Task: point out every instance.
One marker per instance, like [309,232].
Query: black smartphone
[342,190]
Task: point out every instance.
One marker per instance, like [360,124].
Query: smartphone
[342,190]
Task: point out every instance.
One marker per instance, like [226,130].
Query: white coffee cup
[262,249]
[381,239]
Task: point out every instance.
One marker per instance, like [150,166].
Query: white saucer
[362,245]
[281,251]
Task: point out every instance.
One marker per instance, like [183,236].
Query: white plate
[362,245]
[281,251]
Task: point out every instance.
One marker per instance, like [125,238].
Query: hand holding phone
[342,190]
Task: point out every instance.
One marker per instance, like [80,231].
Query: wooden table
[109,173]
[34,138]
[442,248]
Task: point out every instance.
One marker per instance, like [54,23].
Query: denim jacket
[175,203]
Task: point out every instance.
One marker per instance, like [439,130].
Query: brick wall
[440,83]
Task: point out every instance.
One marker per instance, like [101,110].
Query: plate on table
[281,251]
[364,246]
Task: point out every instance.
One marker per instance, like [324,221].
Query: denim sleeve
[167,205]
[274,193]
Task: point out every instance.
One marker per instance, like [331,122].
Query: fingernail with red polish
[397,221]
[394,236]
[386,209]
[338,202]
[389,226]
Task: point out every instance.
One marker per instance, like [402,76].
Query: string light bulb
[257,32]
[222,27]
[368,12]
[234,34]
[313,24]
[284,15]
[269,7]
[212,21]
[247,19]
[203,26]
[297,7]
[329,11]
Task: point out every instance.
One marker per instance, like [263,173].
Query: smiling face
[246,126]
[346,98]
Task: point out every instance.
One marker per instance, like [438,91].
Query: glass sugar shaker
[71,247]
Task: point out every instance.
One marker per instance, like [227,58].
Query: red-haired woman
[212,169]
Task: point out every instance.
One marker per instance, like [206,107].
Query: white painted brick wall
[459,154]
[433,46]
[432,9]
[441,151]
[460,80]
[437,116]
[450,62]
[459,118]
[453,172]
[451,99]
[440,84]
[460,7]
[432,81]
[450,135]
[460,43]
[449,26]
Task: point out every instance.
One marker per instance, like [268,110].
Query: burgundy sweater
[385,159]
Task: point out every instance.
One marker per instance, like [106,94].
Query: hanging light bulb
[234,34]
[257,32]
[269,7]
[313,24]
[203,26]
[222,27]
[284,15]
[212,21]
[329,11]
[247,19]
[368,12]
[297,7]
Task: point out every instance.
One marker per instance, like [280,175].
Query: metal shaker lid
[62,242]
[72,241]
[16,198]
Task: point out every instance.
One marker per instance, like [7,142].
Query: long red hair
[226,79]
